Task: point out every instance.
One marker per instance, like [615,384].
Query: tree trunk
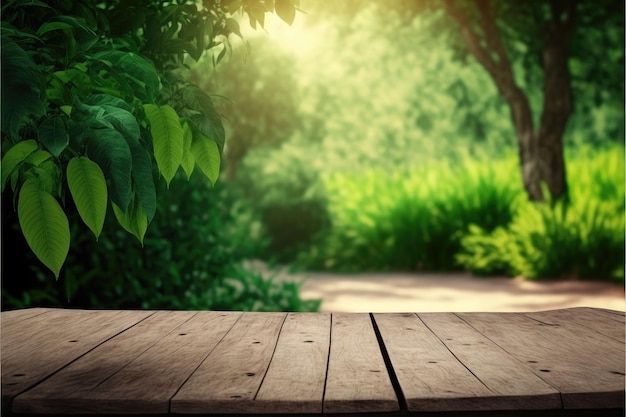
[540,149]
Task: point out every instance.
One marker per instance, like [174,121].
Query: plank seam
[515,358]
[77,358]
[330,341]
[169,402]
[280,331]
[395,383]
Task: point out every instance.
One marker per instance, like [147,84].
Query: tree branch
[491,35]
[500,71]
[557,99]
[471,38]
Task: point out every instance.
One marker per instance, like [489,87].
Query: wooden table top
[189,362]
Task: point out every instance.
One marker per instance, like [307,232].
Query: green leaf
[112,116]
[233,26]
[44,225]
[20,88]
[286,11]
[167,139]
[53,134]
[202,113]
[144,182]
[233,6]
[109,100]
[188,161]
[257,13]
[108,148]
[138,72]
[50,26]
[135,222]
[46,173]
[38,158]
[88,116]
[207,156]
[84,36]
[88,187]
[15,156]
[123,121]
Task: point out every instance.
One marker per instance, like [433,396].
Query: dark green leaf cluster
[190,260]
[94,106]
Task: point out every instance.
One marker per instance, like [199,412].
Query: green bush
[412,218]
[583,239]
[287,198]
[190,260]
[475,216]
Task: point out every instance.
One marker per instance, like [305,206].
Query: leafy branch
[94,108]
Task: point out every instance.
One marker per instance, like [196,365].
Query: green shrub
[583,239]
[189,260]
[413,218]
[287,198]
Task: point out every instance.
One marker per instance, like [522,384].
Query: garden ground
[455,292]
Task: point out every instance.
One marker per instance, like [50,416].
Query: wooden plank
[70,390]
[357,379]
[50,341]
[589,319]
[433,378]
[514,386]
[608,314]
[295,380]
[620,314]
[587,368]
[16,324]
[147,384]
[230,377]
[8,318]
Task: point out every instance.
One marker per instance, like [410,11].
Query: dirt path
[400,292]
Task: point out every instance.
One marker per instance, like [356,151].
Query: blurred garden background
[366,137]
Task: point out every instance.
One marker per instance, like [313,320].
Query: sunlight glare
[299,39]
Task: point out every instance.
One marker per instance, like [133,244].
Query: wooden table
[561,362]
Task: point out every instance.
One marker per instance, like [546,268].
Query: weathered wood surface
[57,361]
[357,378]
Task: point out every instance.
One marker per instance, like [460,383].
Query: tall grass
[582,239]
[475,216]
[412,218]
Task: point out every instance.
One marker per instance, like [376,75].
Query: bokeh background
[365,137]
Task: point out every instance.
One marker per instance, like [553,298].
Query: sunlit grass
[412,218]
[475,215]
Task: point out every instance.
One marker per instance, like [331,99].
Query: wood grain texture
[573,319]
[101,376]
[157,362]
[295,380]
[12,317]
[620,314]
[432,378]
[514,386]
[357,379]
[48,342]
[586,367]
[230,377]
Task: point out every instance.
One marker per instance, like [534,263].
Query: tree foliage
[96,106]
